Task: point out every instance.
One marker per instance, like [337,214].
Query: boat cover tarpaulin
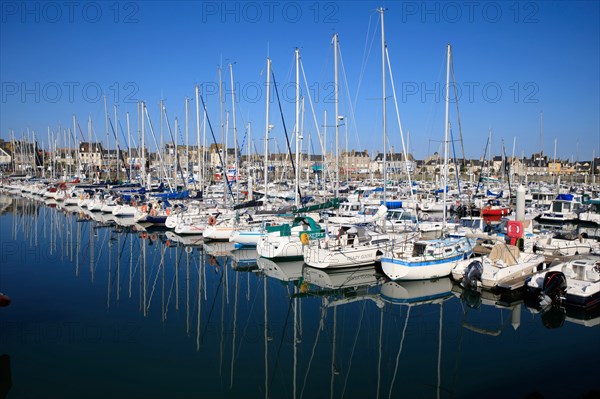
[564,197]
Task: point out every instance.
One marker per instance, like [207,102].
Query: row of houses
[93,156]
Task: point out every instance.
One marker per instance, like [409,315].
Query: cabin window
[419,249]
[557,207]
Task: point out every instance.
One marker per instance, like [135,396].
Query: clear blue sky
[511,60]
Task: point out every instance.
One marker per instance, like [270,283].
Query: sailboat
[427,259]
[286,241]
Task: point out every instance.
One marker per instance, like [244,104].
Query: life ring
[212,220]
[133,204]
[153,237]
[212,261]
[153,212]
[144,208]
[304,238]
[168,243]
[144,235]
[168,211]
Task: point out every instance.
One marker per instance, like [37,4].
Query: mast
[76,145]
[267,128]
[140,144]
[116,143]
[237,186]
[381,11]
[223,138]
[447,125]
[297,177]
[200,152]
[128,143]
[555,156]
[102,153]
[143,148]
[346,128]
[187,141]
[337,115]
[249,178]
[160,149]
[90,164]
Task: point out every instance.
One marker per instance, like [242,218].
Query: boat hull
[401,269]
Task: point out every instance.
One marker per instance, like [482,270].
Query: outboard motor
[472,275]
[471,298]
[554,316]
[553,289]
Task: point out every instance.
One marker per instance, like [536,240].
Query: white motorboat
[563,208]
[505,266]
[575,283]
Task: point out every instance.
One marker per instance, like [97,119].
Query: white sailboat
[427,259]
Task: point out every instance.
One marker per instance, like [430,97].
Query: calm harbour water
[98,311]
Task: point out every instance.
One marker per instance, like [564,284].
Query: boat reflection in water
[341,286]
[303,332]
[417,292]
[478,299]
[188,240]
[244,259]
[282,271]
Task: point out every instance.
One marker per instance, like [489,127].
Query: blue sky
[512,60]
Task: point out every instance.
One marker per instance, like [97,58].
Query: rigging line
[487,142]
[365,57]
[457,111]
[287,316]
[80,132]
[173,140]
[362,313]
[119,153]
[350,105]
[506,169]
[125,138]
[214,300]
[160,265]
[215,141]
[398,117]
[145,108]
[433,110]
[286,133]
[323,152]
[248,319]
[312,355]
[400,350]
[456,166]
[173,282]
